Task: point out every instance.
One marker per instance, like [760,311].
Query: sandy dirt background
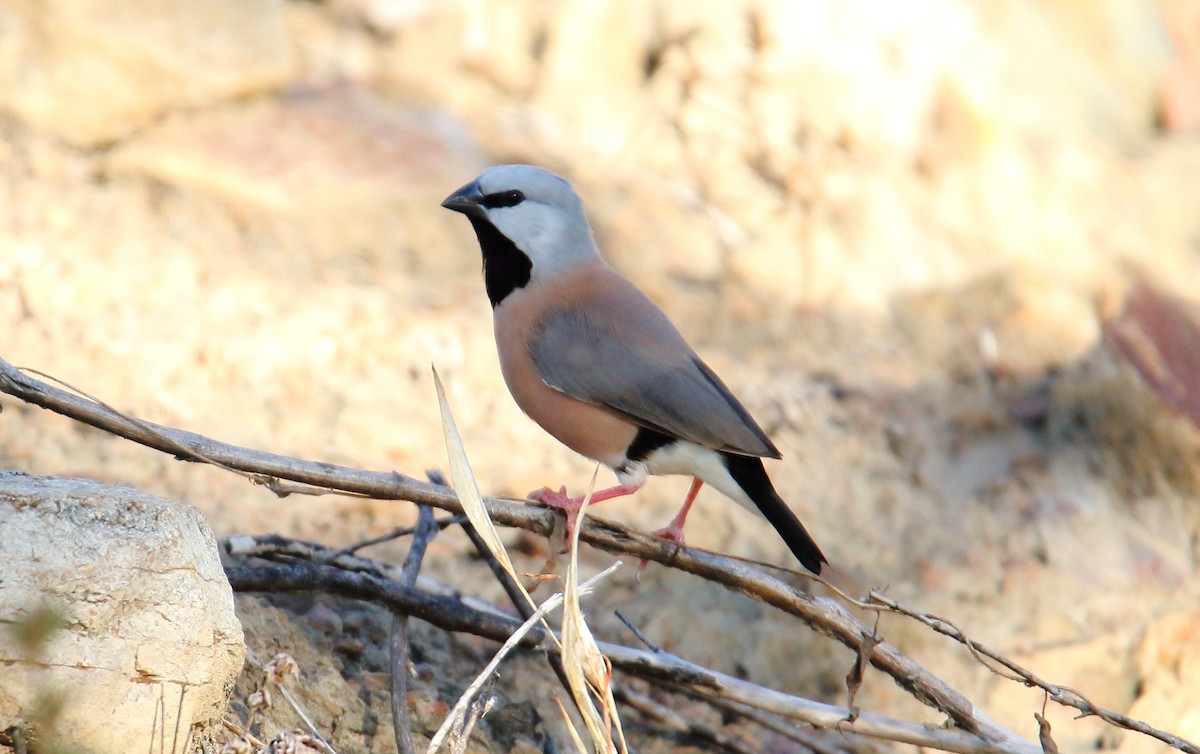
[894,229]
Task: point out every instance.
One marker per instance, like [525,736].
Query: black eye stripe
[503,199]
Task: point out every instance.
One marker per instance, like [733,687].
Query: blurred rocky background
[897,230]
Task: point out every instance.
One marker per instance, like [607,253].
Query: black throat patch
[505,267]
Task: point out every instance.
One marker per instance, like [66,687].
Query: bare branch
[426,529]
[677,723]
[397,533]
[453,615]
[772,722]
[1067,697]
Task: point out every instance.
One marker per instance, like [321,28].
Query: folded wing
[652,378]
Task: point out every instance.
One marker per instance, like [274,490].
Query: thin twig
[397,533]
[1064,695]
[298,708]
[773,723]
[424,532]
[507,583]
[510,586]
[453,615]
[677,723]
[641,636]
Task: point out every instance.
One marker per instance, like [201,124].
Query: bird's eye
[503,199]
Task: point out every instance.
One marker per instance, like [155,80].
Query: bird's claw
[555,498]
[673,532]
[560,500]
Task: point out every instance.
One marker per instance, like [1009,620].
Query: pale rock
[387,16]
[488,50]
[600,105]
[137,631]
[341,170]
[329,53]
[1168,659]
[93,72]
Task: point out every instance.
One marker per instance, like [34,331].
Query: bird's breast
[585,428]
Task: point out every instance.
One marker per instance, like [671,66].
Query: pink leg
[571,505]
[674,530]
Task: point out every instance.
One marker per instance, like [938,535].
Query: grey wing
[657,383]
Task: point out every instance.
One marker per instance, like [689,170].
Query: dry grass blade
[571,727]
[464,483]
[588,671]
[468,493]
[294,703]
[463,706]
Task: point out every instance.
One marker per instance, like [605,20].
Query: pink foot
[560,500]
[570,506]
[673,532]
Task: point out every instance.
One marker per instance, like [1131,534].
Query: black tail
[749,473]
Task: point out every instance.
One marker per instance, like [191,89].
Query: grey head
[529,222]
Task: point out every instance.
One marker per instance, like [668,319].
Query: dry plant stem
[243,733]
[1063,695]
[774,723]
[471,706]
[298,708]
[397,533]
[280,549]
[823,615]
[676,723]
[511,588]
[451,614]
[424,532]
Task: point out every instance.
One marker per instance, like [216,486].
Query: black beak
[467,200]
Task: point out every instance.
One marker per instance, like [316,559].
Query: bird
[590,358]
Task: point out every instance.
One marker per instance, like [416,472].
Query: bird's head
[521,209]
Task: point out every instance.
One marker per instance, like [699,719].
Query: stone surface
[337,167]
[116,612]
[91,73]
[1168,661]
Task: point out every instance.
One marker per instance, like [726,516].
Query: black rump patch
[645,442]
